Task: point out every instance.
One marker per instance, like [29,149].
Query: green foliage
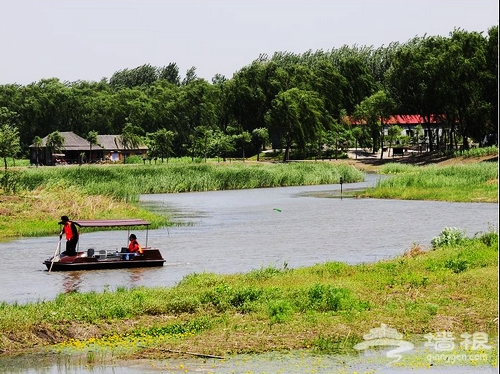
[327,298]
[134,159]
[450,236]
[195,326]
[463,182]
[279,311]
[130,181]
[477,152]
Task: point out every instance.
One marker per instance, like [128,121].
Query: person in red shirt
[72,235]
[133,245]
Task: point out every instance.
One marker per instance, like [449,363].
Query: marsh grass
[129,181]
[477,182]
[111,191]
[325,307]
[35,212]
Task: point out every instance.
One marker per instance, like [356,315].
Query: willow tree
[375,111]
[297,116]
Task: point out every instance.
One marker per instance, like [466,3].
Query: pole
[58,249]
[341,181]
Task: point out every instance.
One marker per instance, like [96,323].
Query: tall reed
[466,182]
[128,181]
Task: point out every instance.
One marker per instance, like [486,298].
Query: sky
[92,39]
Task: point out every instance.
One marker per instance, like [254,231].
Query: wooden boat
[92,259]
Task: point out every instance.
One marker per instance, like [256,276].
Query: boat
[93,259]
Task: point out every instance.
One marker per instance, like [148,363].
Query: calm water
[237,231]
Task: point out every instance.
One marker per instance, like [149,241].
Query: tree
[161,143]
[130,138]
[260,137]
[222,144]
[170,73]
[375,110]
[241,138]
[37,143]
[297,116]
[357,133]
[55,142]
[190,76]
[92,139]
[393,132]
[9,136]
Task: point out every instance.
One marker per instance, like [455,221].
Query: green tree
[298,117]
[357,133]
[9,135]
[55,142]
[92,138]
[465,63]
[37,144]
[161,143]
[170,73]
[260,137]
[130,138]
[222,144]
[241,138]
[393,132]
[375,111]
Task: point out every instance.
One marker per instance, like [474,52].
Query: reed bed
[451,286]
[129,181]
[476,182]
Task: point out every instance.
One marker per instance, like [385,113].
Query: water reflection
[72,281]
[136,276]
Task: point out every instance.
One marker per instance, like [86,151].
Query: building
[77,150]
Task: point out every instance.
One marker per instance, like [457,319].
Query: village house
[76,149]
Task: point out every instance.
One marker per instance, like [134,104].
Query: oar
[55,253]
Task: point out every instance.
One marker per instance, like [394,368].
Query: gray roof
[112,142]
[73,142]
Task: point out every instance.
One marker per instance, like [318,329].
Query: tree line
[298,102]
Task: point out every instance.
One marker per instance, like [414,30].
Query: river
[241,230]
[237,231]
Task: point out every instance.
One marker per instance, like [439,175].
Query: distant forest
[297,102]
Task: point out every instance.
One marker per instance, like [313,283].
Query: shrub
[279,311]
[449,236]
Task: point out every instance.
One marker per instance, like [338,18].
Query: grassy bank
[111,191]
[452,286]
[474,182]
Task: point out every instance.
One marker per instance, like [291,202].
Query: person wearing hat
[69,228]
[133,245]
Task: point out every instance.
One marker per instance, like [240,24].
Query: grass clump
[451,287]
[477,182]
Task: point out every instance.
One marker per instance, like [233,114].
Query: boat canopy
[113,222]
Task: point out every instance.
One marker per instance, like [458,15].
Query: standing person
[133,245]
[69,228]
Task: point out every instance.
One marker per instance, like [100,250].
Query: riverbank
[326,308]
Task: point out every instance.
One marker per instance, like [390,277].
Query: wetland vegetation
[451,286]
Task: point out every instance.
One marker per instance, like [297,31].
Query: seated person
[133,245]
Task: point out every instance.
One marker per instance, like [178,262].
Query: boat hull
[150,258]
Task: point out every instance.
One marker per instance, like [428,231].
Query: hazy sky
[92,39]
